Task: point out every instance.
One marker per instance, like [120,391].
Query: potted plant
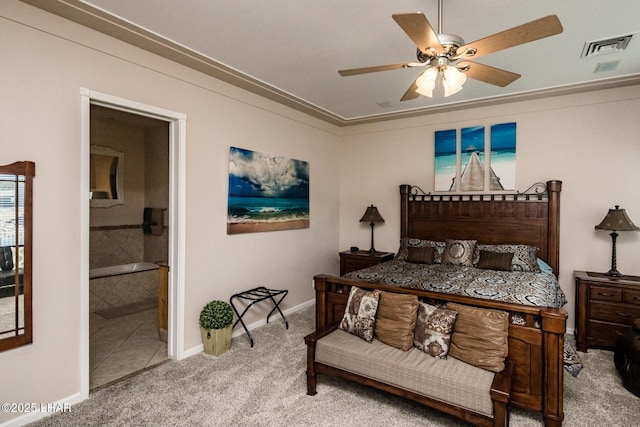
[215,325]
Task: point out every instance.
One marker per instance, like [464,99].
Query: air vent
[599,47]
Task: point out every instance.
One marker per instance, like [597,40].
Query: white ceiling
[291,50]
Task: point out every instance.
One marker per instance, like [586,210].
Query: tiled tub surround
[115,245]
[128,284]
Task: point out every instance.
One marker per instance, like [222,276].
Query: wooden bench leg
[311,384]
[500,414]
[311,373]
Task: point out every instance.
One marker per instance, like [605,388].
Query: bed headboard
[529,218]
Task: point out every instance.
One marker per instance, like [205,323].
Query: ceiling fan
[446,55]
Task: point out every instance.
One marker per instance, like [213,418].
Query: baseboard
[200,348]
[41,410]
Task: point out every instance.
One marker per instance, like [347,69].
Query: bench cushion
[448,380]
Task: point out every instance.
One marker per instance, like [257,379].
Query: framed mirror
[16,219]
[106,177]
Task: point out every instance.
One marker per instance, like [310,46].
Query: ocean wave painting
[266,193]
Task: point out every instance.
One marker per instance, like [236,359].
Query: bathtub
[123,285]
[117,270]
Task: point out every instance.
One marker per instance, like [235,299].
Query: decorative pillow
[433,330]
[6,258]
[459,252]
[424,255]
[544,267]
[360,314]
[525,258]
[480,337]
[495,260]
[396,319]
[406,243]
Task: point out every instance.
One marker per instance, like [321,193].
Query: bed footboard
[536,339]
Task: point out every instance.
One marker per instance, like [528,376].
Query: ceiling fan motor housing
[449,42]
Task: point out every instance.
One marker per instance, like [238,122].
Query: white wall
[46,60]
[588,141]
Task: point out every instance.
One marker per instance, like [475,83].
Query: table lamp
[616,220]
[372,216]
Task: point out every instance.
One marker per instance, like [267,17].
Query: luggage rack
[257,295]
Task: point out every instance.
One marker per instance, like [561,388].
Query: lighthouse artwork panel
[472,160]
[503,154]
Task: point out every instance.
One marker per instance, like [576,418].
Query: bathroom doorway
[132,237]
[128,242]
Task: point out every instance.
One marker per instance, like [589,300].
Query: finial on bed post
[553,189]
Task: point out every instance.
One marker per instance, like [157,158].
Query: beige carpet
[265,386]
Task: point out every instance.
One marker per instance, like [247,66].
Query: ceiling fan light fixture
[452,80]
[426,82]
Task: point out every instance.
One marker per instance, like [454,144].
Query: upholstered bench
[445,380]
[397,344]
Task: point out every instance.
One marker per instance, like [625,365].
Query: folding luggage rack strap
[257,295]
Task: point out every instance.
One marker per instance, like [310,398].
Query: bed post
[553,330]
[404,210]
[553,189]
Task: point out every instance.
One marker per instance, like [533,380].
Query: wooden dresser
[351,261]
[605,308]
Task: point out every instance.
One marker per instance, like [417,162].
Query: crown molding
[97,19]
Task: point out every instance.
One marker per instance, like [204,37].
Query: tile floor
[123,345]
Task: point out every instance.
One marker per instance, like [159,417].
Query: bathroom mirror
[16,217]
[106,170]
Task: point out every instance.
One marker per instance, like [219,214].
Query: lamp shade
[426,82]
[372,215]
[452,80]
[617,220]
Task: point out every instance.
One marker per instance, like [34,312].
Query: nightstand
[351,261]
[605,308]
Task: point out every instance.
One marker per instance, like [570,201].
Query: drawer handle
[602,294]
[623,314]
[618,333]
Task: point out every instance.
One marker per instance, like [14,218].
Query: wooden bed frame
[531,218]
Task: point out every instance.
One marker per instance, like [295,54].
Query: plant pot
[216,341]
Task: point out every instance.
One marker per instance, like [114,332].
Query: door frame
[176,210]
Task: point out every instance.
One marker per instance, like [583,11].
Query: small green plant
[216,315]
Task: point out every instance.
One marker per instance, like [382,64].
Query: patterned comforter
[537,289]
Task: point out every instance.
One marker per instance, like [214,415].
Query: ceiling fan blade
[420,31]
[525,33]
[487,74]
[365,70]
[411,92]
